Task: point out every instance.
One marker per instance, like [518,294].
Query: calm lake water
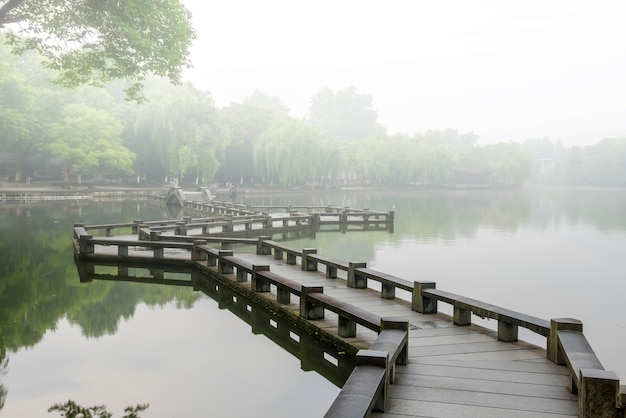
[548,253]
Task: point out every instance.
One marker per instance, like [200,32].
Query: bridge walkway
[453,371]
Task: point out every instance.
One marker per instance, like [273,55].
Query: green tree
[261,100]
[345,115]
[244,123]
[509,162]
[291,152]
[71,409]
[90,138]
[183,126]
[93,42]
[26,112]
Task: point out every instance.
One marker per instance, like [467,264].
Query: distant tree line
[180,136]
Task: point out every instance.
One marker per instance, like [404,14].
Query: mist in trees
[180,136]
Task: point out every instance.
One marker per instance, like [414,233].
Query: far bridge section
[410,358]
[202,203]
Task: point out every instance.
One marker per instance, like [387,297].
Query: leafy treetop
[96,41]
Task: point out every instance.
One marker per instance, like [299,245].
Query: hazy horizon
[508,71]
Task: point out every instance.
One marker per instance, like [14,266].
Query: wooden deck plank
[459,370]
[486,400]
[402,408]
[537,388]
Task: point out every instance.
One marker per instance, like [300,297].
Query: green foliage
[71,409]
[345,115]
[184,128]
[93,42]
[291,152]
[602,164]
[90,138]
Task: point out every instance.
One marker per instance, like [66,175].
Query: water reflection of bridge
[313,354]
[454,367]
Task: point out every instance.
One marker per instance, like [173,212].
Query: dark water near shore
[547,253]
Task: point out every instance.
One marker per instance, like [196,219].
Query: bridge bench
[110,228]
[367,387]
[266,245]
[158,247]
[332,265]
[349,315]
[508,320]
[212,253]
[263,278]
[227,262]
[388,282]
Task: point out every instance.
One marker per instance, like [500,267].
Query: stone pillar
[257,283]
[462,316]
[197,255]
[421,303]
[387,291]
[308,264]
[307,309]
[597,397]
[263,249]
[347,327]
[181,228]
[85,245]
[222,266]
[354,280]
[507,332]
[135,227]
[560,324]
[122,250]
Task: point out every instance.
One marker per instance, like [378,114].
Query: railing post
[354,279]
[222,266]
[507,332]
[122,250]
[346,327]
[257,283]
[308,264]
[181,228]
[262,249]
[85,245]
[598,394]
[423,304]
[560,324]
[462,316]
[307,309]
[197,255]
[135,227]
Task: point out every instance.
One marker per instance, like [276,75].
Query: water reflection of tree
[40,284]
[4,362]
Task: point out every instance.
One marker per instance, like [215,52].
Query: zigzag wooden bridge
[410,359]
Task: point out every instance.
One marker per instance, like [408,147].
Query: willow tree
[94,42]
[183,126]
[291,152]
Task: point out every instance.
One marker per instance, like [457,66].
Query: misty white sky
[507,70]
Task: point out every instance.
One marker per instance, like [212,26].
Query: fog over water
[508,71]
